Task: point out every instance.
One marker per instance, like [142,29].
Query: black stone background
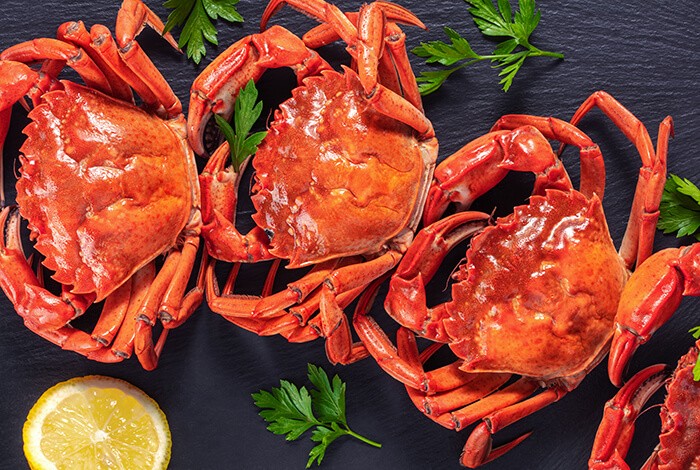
[642,52]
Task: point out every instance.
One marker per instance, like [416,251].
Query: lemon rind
[54,395]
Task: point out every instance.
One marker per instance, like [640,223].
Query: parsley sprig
[246,110]
[680,207]
[509,55]
[696,369]
[197,16]
[292,411]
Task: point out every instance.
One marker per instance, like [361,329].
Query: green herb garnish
[197,16]
[680,208]
[292,411]
[246,111]
[696,370]
[509,55]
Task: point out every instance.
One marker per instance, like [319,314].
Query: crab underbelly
[540,291]
[104,187]
[333,176]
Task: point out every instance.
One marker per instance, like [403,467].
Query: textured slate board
[643,52]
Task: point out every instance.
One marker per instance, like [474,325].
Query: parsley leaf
[246,111]
[492,22]
[680,207]
[292,411]
[197,16]
[329,398]
[696,369]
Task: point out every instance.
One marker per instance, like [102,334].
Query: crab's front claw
[650,297]
[614,435]
[41,310]
[214,91]
[16,79]
[482,163]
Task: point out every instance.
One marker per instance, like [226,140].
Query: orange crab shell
[103,185]
[335,177]
[680,439]
[559,293]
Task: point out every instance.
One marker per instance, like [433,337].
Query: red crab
[538,292]
[326,176]
[106,187]
[679,442]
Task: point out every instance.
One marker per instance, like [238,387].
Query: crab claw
[650,297]
[16,79]
[214,91]
[615,432]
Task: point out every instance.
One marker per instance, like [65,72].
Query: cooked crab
[105,186]
[538,292]
[327,176]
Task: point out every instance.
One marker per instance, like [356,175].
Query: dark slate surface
[643,52]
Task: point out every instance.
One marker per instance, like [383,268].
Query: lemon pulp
[98,423]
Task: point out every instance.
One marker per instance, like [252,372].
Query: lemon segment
[96,422]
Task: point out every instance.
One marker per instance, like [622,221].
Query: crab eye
[270,233]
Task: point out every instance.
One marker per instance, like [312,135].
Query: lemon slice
[96,422]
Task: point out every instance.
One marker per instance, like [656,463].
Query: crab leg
[475,396]
[146,351]
[104,45]
[74,32]
[334,298]
[650,297]
[237,310]
[614,435]
[123,344]
[171,313]
[459,399]
[455,388]
[334,324]
[114,311]
[395,63]
[216,88]
[131,19]
[52,49]
[637,243]
[165,300]
[297,291]
[405,301]
[343,26]
[478,448]
[395,70]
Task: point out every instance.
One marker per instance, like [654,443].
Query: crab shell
[334,177]
[104,187]
[679,442]
[539,291]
